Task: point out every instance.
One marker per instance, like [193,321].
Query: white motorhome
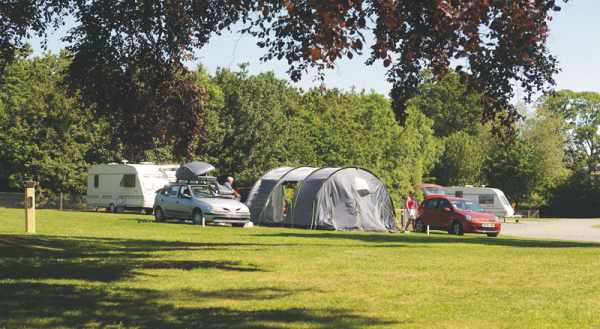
[117,187]
[490,199]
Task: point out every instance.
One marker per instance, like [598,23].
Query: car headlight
[219,209]
[468,217]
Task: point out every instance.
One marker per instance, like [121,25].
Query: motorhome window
[96,181]
[458,194]
[486,199]
[128,180]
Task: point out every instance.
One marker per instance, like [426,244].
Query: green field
[122,271]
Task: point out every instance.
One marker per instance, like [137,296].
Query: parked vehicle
[429,189]
[490,199]
[200,202]
[200,198]
[117,187]
[455,215]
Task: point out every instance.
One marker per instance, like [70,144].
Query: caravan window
[96,181]
[486,199]
[128,180]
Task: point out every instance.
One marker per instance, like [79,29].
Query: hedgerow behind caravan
[117,187]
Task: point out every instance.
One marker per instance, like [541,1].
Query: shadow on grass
[100,259]
[49,306]
[28,299]
[404,240]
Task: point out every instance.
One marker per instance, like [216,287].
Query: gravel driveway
[563,229]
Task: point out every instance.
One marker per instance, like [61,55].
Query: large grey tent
[348,198]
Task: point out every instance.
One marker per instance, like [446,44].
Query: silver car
[200,202]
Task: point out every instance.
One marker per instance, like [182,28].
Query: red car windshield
[466,205]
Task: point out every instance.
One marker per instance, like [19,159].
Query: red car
[455,215]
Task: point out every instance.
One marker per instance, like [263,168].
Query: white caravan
[490,199]
[117,187]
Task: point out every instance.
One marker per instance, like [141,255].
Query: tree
[134,50]
[45,134]
[532,166]
[546,135]
[253,126]
[581,112]
[512,169]
[358,129]
[462,159]
[450,104]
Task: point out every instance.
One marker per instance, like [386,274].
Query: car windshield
[466,205]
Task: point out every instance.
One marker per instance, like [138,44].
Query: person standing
[229,186]
[410,211]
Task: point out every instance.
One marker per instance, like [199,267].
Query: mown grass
[120,271]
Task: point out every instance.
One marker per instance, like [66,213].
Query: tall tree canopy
[128,55]
[581,113]
[46,134]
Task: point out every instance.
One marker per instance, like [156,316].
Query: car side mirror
[447,209]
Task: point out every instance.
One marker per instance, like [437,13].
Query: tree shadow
[48,306]
[402,240]
[101,259]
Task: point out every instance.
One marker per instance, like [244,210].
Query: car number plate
[488,225]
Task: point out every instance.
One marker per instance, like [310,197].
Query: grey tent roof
[330,198]
[191,170]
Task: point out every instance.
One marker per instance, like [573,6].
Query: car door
[429,212]
[445,215]
[185,202]
[167,200]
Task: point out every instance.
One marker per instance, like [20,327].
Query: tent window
[96,181]
[128,180]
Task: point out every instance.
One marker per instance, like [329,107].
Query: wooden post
[61,201]
[30,206]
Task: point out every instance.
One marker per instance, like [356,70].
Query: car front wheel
[198,217]
[159,216]
[456,228]
[420,226]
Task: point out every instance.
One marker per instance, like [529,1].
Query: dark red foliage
[128,54]
[498,43]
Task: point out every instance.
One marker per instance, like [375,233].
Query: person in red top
[410,208]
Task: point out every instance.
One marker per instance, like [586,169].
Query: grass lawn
[115,271]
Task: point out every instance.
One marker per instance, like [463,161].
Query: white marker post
[427,230]
[30,206]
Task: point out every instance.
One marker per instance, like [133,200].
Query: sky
[574,40]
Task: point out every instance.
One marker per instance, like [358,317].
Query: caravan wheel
[111,208]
